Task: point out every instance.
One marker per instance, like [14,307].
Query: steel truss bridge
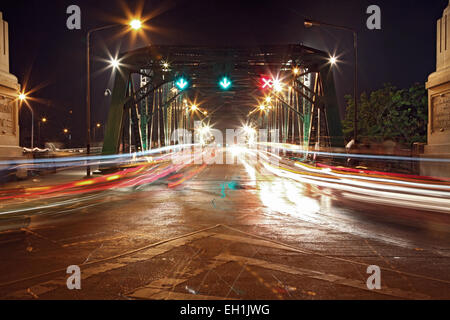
[147,105]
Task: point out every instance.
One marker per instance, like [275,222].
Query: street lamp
[97,126]
[313,23]
[114,63]
[134,24]
[43,120]
[22,98]
[333,60]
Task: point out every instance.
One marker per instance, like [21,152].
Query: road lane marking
[320,276]
[309,252]
[146,252]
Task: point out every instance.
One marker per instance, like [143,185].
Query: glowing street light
[114,63]
[43,121]
[23,98]
[66,130]
[194,107]
[310,23]
[295,71]
[277,85]
[262,107]
[165,66]
[268,99]
[136,24]
[333,60]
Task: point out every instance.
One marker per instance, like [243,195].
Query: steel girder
[202,65]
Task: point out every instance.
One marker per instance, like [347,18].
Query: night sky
[45,54]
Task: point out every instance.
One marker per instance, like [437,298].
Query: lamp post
[97,126]
[43,120]
[311,23]
[134,24]
[23,98]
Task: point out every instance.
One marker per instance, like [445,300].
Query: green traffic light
[181,83]
[225,83]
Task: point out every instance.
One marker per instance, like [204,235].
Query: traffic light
[225,83]
[181,83]
[265,82]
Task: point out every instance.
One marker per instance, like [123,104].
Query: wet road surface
[225,233]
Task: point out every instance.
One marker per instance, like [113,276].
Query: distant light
[310,23]
[262,107]
[135,24]
[277,85]
[194,107]
[205,112]
[295,70]
[44,119]
[22,96]
[98,125]
[268,99]
[114,63]
[66,130]
[333,60]
[248,129]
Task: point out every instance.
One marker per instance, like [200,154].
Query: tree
[390,114]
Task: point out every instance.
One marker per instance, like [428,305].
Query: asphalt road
[225,233]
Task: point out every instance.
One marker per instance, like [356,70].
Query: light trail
[298,149]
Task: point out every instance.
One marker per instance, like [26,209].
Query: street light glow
[268,99]
[22,96]
[295,71]
[114,63]
[333,60]
[44,119]
[277,85]
[135,24]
